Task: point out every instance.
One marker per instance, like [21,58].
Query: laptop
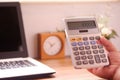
[14,60]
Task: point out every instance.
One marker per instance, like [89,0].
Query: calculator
[82,35]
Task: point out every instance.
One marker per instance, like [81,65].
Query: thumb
[107,44]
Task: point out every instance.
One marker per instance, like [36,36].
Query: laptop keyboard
[15,64]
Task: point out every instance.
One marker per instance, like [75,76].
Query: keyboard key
[15,64]
[29,63]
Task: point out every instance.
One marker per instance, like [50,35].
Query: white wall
[46,17]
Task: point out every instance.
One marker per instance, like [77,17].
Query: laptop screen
[12,37]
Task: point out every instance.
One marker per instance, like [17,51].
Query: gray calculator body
[82,35]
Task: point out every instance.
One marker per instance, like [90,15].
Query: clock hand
[51,44]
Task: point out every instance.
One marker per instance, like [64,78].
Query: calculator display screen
[75,25]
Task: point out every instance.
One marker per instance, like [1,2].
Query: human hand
[108,72]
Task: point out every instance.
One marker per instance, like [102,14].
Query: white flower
[106,31]
[101,26]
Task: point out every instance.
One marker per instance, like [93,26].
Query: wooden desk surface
[65,71]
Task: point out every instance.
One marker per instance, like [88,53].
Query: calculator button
[82,52]
[97,58]
[78,62]
[91,61]
[93,42]
[88,52]
[95,51]
[97,37]
[79,39]
[76,53]
[81,48]
[77,58]
[74,44]
[91,38]
[72,39]
[101,51]
[86,43]
[80,43]
[87,47]
[90,57]
[85,62]
[75,48]
[83,57]
[94,47]
[104,60]
[100,46]
[103,56]
[85,38]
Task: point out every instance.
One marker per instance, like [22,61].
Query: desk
[65,71]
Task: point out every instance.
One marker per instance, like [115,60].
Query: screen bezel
[16,54]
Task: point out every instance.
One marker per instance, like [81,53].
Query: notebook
[14,60]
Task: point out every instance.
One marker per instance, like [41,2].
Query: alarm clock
[51,45]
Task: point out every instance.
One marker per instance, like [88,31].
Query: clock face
[52,45]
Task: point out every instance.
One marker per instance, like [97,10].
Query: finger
[97,72]
[114,58]
[92,70]
[107,44]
